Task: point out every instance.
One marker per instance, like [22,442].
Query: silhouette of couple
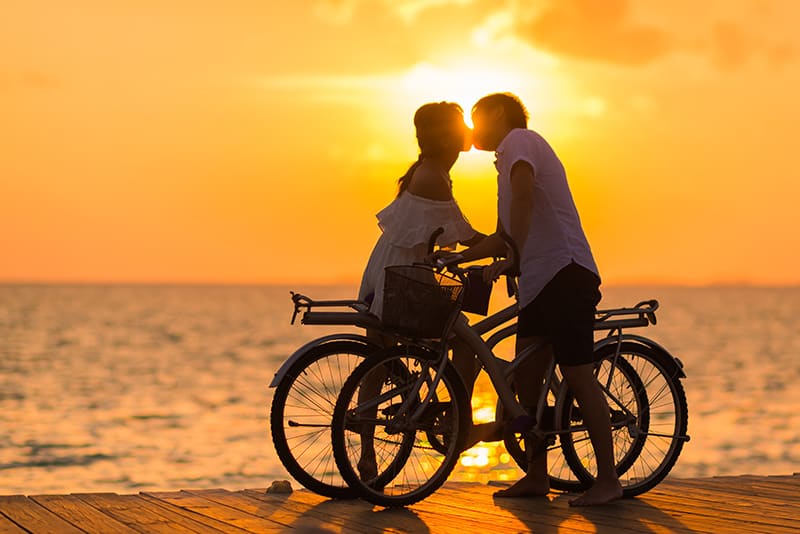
[558,278]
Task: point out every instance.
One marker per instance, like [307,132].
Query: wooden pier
[741,504]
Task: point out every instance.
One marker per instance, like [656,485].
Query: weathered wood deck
[747,504]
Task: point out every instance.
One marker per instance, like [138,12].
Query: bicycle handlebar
[432,240]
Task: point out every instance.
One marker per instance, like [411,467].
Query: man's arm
[522,177]
[474,240]
[487,247]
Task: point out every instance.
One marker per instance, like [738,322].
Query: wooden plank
[190,500]
[554,511]
[142,515]
[78,512]
[478,503]
[303,507]
[32,517]
[284,508]
[630,514]
[194,516]
[747,507]
[743,488]
[9,527]
[356,513]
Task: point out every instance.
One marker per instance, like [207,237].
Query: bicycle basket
[418,301]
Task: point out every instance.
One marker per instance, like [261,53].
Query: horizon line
[287,283]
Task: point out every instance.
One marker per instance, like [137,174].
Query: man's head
[493,116]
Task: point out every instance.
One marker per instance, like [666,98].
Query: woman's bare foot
[599,493]
[367,468]
[492,431]
[527,486]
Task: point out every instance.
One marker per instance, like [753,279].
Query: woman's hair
[515,112]
[440,126]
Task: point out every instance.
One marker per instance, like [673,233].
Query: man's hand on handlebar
[497,269]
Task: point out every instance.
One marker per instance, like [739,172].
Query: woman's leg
[529,378]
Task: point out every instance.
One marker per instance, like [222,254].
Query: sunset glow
[253,142]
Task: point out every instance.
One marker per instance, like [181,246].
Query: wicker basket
[420,302]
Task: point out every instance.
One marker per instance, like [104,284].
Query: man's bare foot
[527,486]
[599,493]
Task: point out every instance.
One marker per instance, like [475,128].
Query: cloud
[781,54]
[601,31]
[344,11]
[29,79]
[732,46]
[335,11]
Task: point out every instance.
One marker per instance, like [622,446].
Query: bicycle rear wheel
[302,410]
[626,399]
[646,447]
[414,455]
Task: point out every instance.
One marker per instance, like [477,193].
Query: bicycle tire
[560,473]
[301,412]
[412,466]
[663,423]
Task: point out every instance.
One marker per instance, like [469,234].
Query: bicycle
[308,383]
[418,420]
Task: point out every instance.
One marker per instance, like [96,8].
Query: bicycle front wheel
[649,419]
[302,410]
[398,427]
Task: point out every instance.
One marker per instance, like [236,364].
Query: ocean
[126,388]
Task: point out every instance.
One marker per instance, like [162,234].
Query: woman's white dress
[407,224]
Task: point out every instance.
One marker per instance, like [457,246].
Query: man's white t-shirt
[555,237]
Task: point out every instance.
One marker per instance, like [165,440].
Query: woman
[424,201]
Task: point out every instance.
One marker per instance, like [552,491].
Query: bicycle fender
[676,366]
[284,368]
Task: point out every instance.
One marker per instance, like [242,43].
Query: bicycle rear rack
[643,314]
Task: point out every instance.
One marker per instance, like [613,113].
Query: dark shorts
[564,312]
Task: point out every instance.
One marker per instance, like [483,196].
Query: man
[558,283]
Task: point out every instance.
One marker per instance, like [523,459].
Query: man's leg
[595,412]
[529,378]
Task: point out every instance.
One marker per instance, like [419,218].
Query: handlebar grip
[432,241]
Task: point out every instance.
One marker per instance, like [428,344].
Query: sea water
[127,388]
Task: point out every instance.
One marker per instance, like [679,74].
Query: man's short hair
[516,114]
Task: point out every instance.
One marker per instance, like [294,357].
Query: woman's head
[441,129]
[441,132]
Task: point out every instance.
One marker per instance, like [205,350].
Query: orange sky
[253,141]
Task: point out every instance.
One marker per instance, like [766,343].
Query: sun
[460,83]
